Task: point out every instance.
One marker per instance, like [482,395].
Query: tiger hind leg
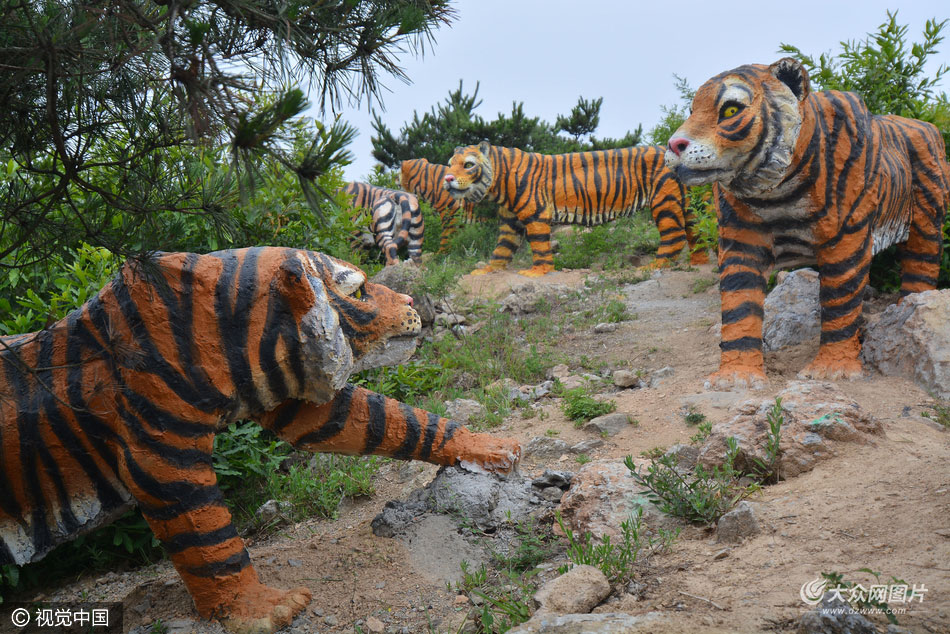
[920,254]
[186,512]
[509,239]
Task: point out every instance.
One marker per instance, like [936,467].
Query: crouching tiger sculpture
[118,404]
[394,220]
[802,178]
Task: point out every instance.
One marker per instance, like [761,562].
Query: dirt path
[884,506]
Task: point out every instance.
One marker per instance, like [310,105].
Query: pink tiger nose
[678,145]
[449,178]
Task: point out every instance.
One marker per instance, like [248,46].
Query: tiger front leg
[538,230]
[843,274]
[187,513]
[509,239]
[742,291]
[360,422]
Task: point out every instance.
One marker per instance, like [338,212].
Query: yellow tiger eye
[730,111]
[358,294]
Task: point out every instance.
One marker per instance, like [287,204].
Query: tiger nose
[449,178]
[678,145]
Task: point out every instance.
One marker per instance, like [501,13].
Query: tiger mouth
[393,351]
[699,176]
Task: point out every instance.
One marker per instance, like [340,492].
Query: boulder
[792,312]
[464,410]
[609,424]
[834,616]
[738,523]
[816,414]
[578,591]
[912,339]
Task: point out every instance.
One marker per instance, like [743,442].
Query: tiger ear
[790,72]
[483,147]
[458,149]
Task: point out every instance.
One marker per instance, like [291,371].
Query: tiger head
[345,324]
[742,129]
[471,173]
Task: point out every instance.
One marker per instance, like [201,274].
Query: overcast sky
[547,53]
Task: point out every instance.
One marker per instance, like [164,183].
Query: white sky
[547,53]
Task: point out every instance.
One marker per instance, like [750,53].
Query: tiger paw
[832,369]
[731,378]
[488,453]
[485,270]
[265,610]
[699,257]
[537,270]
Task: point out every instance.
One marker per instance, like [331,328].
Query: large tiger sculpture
[424,179]
[534,191]
[802,178]
[117,405]
[395,219]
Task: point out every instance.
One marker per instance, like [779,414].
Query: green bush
[580,407]
[614,244]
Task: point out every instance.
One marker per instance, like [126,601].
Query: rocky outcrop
[816,415]
[792,311]
[912,339]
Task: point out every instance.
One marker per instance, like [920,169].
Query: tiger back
[534,191]
[424,179]
[808,178]
[395,219]
[118,404]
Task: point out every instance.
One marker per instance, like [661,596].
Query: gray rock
[657,376]
[685,455]
[545,447]
[552,478]
[464,410]
[603,495]
[792,311]
[559,371]
[447,320]
[270,509]
[738,523]
[396,516]
[604,327]
[610,424]
[604,623]
[587,446]
[180,626]
[626,378]
[572,382]
[579,590]
[552,494]
[402,278]
[330,620]
[912,340]
[834,616]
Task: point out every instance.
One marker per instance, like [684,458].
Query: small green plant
[656,452]
[940,414]
[580,407]
[693,416]
[701,497]
[701,284]
[318,489]
[552,433]
[616,561]
[702,432]
[610,245]
[766,471]
[860,598]
[157,627]
[504,604]
[582,458]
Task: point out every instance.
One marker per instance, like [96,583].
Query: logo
[812,591]
[20,617]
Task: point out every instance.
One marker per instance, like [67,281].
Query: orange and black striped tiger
[424,179]
[534,191]
[395,219]
[118,404]
[801,178]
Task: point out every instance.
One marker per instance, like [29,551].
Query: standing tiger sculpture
[117,405]
[395,219]
[802,178]
[424,179]
[534,191]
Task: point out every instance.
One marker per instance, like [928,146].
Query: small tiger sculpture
[118,404]
[395,219]
[803,178]
[534,191]
[424,179]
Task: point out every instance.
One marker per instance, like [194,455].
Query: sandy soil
[885,506]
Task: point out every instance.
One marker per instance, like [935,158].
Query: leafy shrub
[580,407]
[701,497]
[613,244]
[616,561]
